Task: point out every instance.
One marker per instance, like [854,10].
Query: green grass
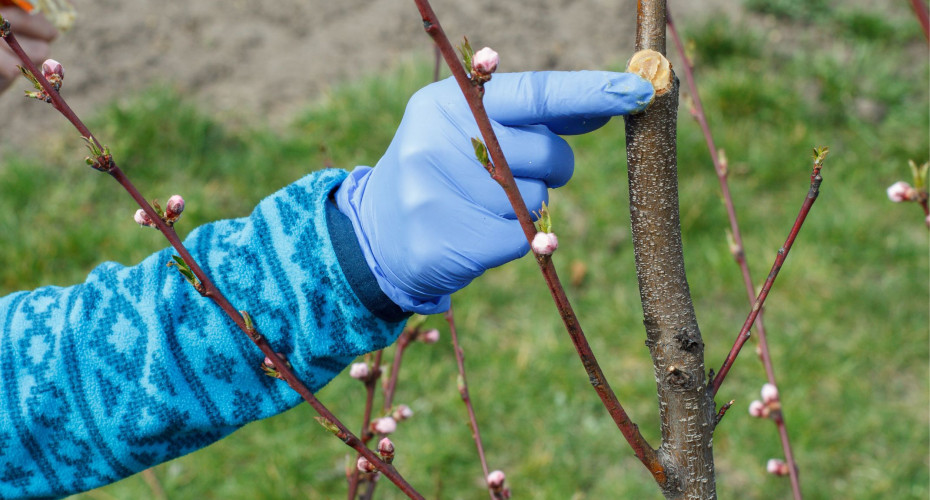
[848,318]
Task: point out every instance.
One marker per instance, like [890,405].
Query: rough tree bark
[672,333]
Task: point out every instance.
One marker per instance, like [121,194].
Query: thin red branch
[793,471]
[743,336]
[723,411]
[390,386]
[389,389]
[211,291]
[739,253]
[466,398]
[502,174]
[923,16]
[436,63]
[371,384]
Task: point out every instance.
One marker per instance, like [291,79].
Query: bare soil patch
[260,61]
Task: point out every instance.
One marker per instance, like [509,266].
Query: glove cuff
[356,270]
[348,197]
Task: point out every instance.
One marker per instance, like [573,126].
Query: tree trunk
[672,333]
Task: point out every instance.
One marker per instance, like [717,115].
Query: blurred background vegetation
[847,320]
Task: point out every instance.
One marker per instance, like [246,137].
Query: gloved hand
[430,219]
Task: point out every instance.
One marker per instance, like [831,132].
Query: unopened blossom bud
[769,394]
[402,412]
[485,61]
[758,409]
[384,425]
[270,364]
[545,243]
[54,72]
[364,465]
[143,219]
[386,450]
[927,220]
[269,368]
[901,191]
[429,336]
[360,371]
[496,480]
[777,467]
[174,207]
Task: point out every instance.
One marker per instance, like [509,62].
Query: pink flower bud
[901,191]
[174,207]
[777,467]
[269,368]
[384,425]
[360,371]
[927,220]
[364,465]
[53,71]
[401,413]
[485,61]
[496,480]
[386,450]
[545,243]
[429,336]
[143,219]
[769,394]
[758,409]
[270,364]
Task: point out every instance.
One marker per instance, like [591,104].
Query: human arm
[133,367]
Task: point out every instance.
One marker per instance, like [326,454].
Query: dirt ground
[256,60]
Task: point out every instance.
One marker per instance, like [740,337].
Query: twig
[463,392]
[389,389]
[739,253]
[920,10]
[209,289]
[371,383]
[502,174]
[743,336]
[436,63]
[390,386]
[722,412]
[154,484]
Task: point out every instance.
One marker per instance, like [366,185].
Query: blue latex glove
[430,219]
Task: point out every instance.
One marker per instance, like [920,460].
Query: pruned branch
[672,334]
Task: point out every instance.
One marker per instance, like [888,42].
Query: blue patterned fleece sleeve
[133,367]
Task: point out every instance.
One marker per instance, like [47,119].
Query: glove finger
[479,247]
[448,249]
[483,191]
[497,241]
[576,126]
[569,101]
[533,151]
